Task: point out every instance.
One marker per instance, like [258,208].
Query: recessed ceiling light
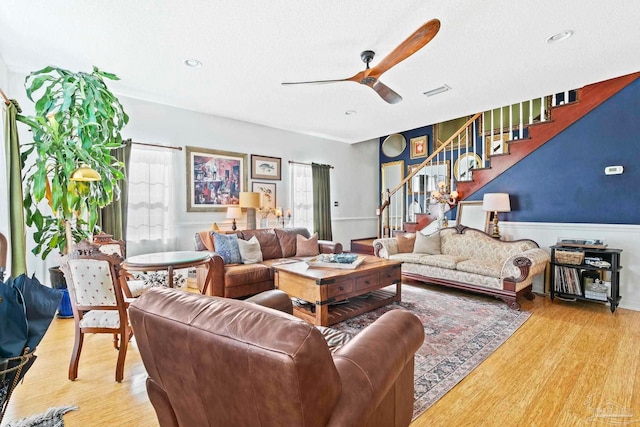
[193,63]
[350,112]
[560,36]
[437,90]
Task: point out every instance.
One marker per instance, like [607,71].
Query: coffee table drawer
[341,288]
[366,282]
[390,276]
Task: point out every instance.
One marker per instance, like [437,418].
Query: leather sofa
[241,280]
[222,362]
[469,259]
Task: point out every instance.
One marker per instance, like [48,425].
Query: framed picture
[470,213]
[464,166]
[496,145]
[214,179]
[263,167]
[427,178]
[267,192]
[419,147]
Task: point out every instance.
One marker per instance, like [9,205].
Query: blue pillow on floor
[227,247]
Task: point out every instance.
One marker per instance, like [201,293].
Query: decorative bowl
[345,258]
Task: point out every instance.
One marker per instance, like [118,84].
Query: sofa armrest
[216,286]
[369,365]
[529,263]
[275,299]
[384,247]
[329,247]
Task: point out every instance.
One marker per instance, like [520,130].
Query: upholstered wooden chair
[99,306]
[131,287]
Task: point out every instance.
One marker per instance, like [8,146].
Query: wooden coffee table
[324,287]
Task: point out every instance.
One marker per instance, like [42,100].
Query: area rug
[461,330]
[51,418]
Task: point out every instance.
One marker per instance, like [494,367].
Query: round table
[169,261]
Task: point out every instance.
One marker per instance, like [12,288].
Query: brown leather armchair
[222,362]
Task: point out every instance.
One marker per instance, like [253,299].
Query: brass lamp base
[496,230]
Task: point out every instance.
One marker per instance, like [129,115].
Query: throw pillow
[406,242]
[227,247]
[250,250]
[429,245]
[307,247]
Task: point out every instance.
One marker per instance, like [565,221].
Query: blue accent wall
[564,181]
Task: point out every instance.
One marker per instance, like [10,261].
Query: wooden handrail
[433,155]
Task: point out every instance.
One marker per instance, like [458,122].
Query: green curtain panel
[113,217]
[321,177]
[17,232]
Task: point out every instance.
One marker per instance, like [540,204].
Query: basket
[569,257]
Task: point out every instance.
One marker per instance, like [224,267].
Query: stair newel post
[387,219]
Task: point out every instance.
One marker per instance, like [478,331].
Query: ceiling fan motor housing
[367,56]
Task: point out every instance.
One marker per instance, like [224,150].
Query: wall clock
[462,169]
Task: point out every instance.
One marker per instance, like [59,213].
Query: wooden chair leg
[75,355]
[115,341]
[122,354]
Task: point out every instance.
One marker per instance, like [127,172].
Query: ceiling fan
[369,76]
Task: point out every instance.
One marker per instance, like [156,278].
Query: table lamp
[496,202]
[251,201]
[234,212]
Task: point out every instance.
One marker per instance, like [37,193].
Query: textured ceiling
[491,53]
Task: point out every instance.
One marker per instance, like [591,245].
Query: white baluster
[521,127]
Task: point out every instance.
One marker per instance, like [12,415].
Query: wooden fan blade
[315,82]
[386,92]
[411,45]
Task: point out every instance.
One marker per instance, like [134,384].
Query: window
[150,224]
[302,195]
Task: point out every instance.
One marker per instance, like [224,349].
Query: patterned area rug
[461,330]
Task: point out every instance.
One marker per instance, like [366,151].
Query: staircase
[562,116]
[523,138]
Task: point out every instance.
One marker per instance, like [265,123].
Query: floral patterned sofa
[469,259]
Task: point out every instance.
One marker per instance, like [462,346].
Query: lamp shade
[85,173]
[234,212]
[249,199]
[496,202]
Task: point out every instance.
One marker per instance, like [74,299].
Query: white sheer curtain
[302,195]
[150,222]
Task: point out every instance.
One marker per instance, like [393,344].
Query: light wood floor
[570,364]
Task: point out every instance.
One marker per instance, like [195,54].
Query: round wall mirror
[394,145]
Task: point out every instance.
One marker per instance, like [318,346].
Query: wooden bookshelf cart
[572,277]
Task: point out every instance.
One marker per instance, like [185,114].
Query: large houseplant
[77,123]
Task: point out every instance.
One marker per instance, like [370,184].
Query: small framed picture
[267,192]
[419,147]
[496,144]
[263,167]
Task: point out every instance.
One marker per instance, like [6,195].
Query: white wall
[617,236]
[353,179]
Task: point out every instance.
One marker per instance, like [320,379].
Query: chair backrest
[93,278]
[232,363]
[108,245]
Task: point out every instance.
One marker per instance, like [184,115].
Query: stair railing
[392,211]
[498,126]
